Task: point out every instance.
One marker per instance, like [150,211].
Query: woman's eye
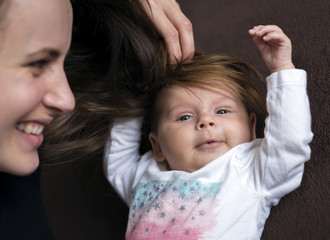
[184,118]
[39,64]
[221,111]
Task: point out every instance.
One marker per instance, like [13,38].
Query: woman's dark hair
[110,66]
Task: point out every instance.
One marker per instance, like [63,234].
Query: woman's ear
[159,157]
[253,121]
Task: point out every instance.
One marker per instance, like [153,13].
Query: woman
[33,90]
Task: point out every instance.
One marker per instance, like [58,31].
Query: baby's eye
[222,111]
[184,118]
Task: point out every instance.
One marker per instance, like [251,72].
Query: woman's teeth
[30,128]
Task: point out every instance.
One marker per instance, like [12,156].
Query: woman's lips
[32,132]
[34,140]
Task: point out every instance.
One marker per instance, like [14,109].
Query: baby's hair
[224,72]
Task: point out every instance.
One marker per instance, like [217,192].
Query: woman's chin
[22,165]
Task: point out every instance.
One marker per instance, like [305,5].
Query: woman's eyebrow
[45,51]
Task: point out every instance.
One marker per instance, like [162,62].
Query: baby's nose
[205,122]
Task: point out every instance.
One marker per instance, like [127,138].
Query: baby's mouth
[209,144]
[30,128]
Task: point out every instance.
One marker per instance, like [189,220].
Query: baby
[208,176]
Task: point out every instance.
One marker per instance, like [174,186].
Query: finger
[253,30]
[171,37]
[263,30]
[259,42]
[173,26]
[185,30]
[165,28]
[277,39]
[271,34]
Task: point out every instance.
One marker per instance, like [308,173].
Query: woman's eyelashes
[39,64]
[38,67]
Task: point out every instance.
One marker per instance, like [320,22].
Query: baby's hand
[274,46]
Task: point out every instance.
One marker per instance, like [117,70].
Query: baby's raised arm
[274,46]
[284,149]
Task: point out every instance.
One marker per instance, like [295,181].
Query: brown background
[80,203]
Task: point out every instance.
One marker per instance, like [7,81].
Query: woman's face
[35,36]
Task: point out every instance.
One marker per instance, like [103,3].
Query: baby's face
[197,125]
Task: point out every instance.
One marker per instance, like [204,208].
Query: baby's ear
[253,121]
[159,157]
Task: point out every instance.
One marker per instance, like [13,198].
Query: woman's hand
[173,26]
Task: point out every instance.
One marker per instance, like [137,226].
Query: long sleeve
[122,156]
[282,153]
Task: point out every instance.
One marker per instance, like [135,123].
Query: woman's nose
[59,96]
[205,122]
